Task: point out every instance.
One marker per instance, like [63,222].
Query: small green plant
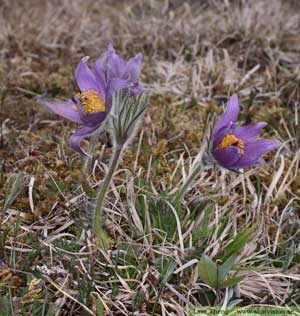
[215,274]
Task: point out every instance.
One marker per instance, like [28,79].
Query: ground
[196,54]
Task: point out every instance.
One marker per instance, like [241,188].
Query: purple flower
[238,147]
[91,105]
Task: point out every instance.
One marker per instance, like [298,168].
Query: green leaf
[52,310]
[14,191]
[208,271]
[163,217]
[99,307]
[225,268]
[168,270]
[238,243]
[88,190]
[203,230]
[138,300]
[4,306]
[104,241]
[231,282]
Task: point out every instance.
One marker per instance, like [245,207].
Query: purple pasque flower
[238,147]
[91,105]
[112,67]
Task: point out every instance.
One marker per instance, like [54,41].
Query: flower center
[91,101]
[232,140]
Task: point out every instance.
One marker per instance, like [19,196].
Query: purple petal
[133,68]
[249,132]
[226,157]
[138,89]
[101,84]
[99,67]
[260,161]
[99,64]
[84,77]
[65,109]
[76,138]
[116,66]
[115,85]
[229,117]
[96,119]
[253,152]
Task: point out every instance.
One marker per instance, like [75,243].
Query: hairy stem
[102,193]
[86,164]
[190,179]
[196,167]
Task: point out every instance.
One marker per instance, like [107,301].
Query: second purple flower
[238,147]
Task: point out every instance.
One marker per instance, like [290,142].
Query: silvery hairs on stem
[126,113]
[200,162]
[125,117]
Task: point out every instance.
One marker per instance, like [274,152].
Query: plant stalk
[196,167]
[102,193]
[88,159]
[190,179]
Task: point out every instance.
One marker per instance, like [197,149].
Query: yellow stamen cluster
[232,140]
[91,102]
